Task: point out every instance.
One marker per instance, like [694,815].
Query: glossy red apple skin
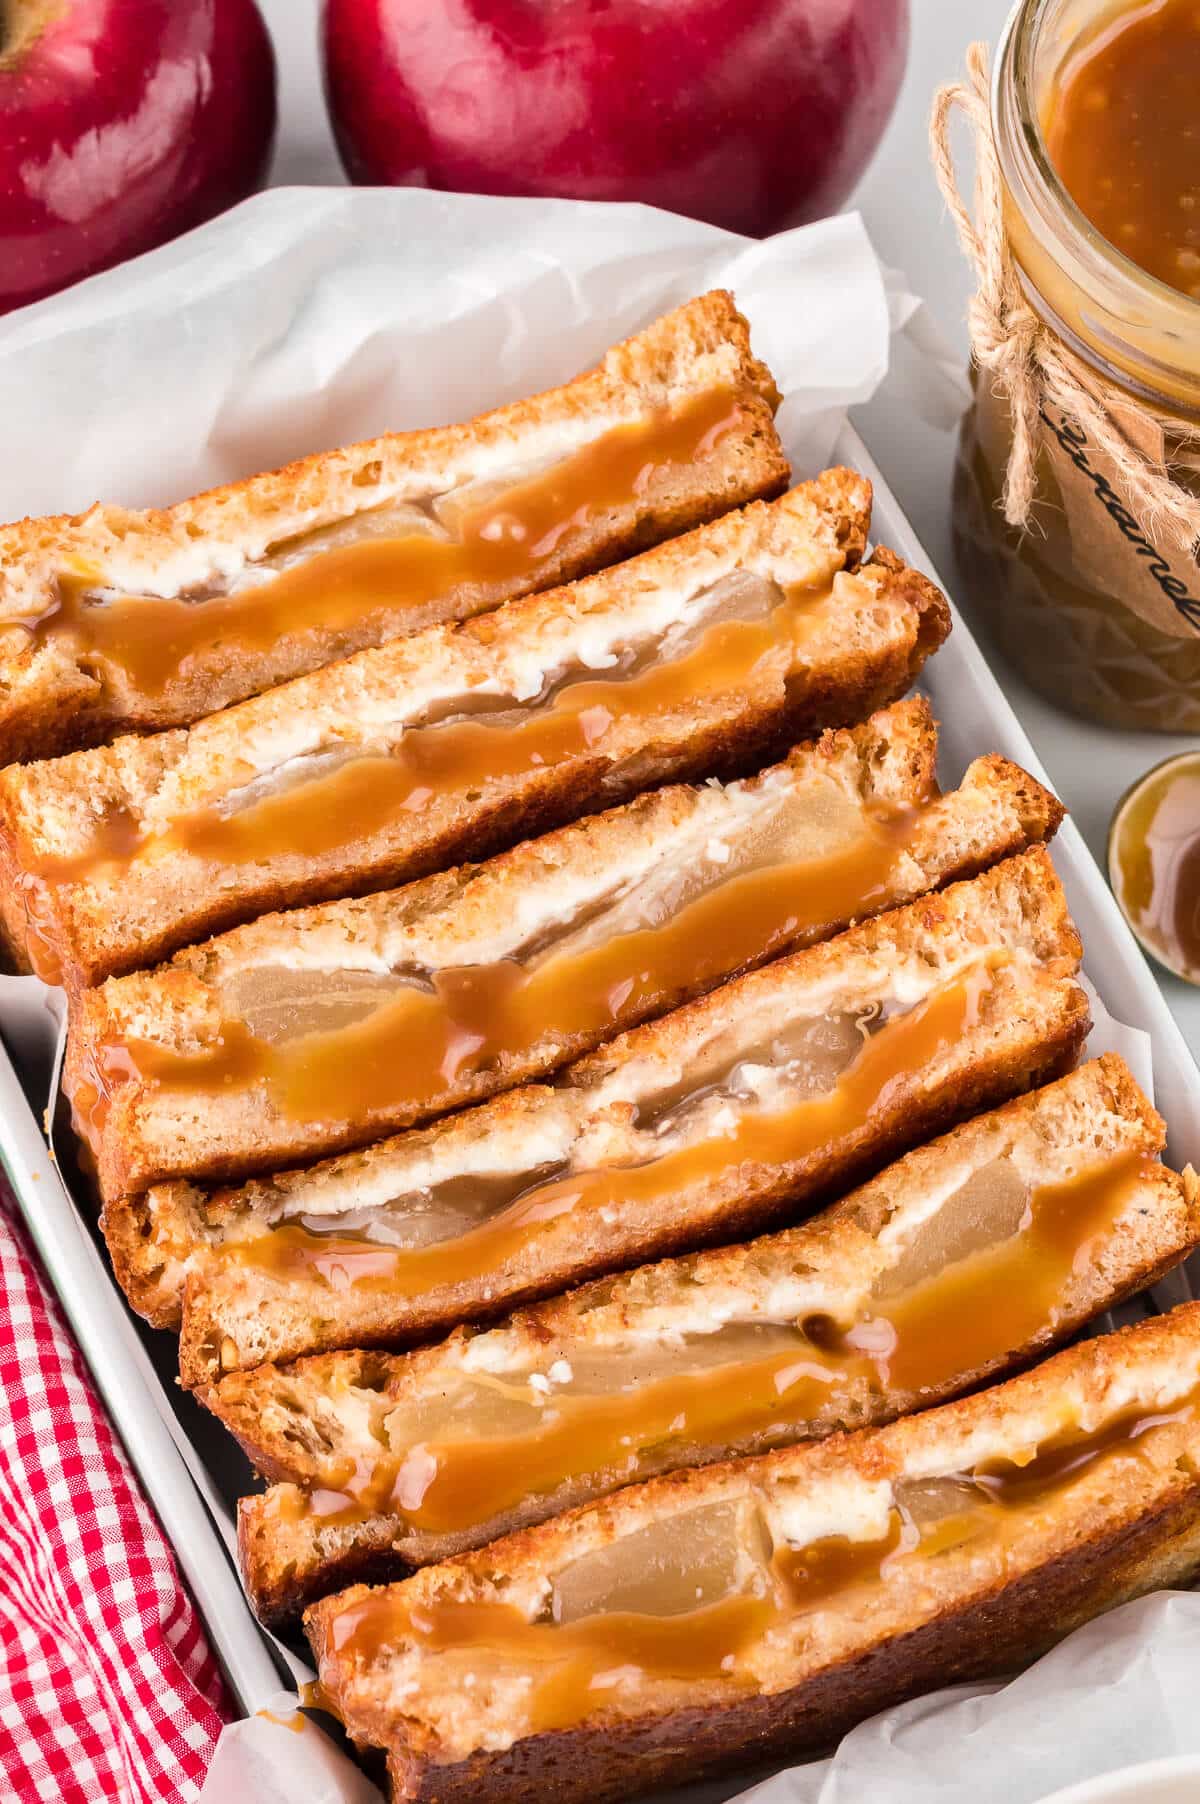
[752,114]
[122,124]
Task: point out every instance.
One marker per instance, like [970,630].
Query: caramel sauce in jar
[1122,132]
[498,546]
[1154,863]
[574,1664]
[948,1326]
[1071,638]
[408,1051]
[1093,115]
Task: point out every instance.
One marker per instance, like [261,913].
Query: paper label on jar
[1111,551]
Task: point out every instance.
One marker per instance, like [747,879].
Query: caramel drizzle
[415,1049]
[572,1665]
[901,1048]
[941,1329]
[327,815]
[442,1487]
[575,1665]
[942,1325]
[506,543]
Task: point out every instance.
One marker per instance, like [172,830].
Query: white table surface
[1090,767]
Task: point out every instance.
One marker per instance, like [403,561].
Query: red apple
[123,123]
[754,114]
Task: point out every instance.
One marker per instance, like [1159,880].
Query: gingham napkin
[108,1690]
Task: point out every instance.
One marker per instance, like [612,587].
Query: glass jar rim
[1119,288]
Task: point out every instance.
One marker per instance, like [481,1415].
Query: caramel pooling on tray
[1011,1252]
[500,535]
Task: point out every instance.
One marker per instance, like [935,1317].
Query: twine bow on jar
[1027,361]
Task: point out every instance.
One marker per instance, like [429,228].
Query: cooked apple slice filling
[802,1061]
[477,1443]
[446,1210]
[396,520]
[334,1044]
[987,1208]
[785,827]
[278,1005]
[668,1568]
[286,1002]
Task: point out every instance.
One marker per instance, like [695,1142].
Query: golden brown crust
[1118,1529]
[147,1134]
[863,646]
[52,702]
[151,1242]
[302,1423]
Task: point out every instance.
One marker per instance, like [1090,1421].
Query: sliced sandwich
[323,1028]
[712,1123]
[761,1608]
[114,621]
[702,657]
[968,1256]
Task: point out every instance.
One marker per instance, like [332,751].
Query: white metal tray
[190,1468]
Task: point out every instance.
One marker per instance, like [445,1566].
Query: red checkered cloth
[107,1687]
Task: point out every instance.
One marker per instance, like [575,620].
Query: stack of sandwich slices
[603,1124]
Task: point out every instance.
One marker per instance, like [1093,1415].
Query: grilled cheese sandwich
[965,1258]
[702,657]
[710,1123]
[307,1032]
[116,621]
[763,1607]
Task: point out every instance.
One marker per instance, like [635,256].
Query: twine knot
[1002,338]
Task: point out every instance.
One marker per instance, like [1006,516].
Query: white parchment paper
[307,318]
[279,1756]
[1113,1694]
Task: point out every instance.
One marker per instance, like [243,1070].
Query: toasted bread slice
[305,1033]
[699,658]
[763,1607]
[965,1258]
[709,1124]
[116,621]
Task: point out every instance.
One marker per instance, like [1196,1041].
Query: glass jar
[1097,609]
